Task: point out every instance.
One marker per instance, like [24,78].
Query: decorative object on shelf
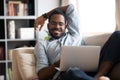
[1,77]
[11,29]
[26,33]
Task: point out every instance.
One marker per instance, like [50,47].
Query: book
[17,8]
[1,53]
[13,7]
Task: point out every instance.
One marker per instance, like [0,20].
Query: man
[47,52]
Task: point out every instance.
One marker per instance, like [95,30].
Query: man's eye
[53,23]
[61,23]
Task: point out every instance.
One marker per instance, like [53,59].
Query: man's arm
[47,73]
[72,21]
[44,70]
[41,20]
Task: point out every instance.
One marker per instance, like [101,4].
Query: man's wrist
[45,16]
[56,64]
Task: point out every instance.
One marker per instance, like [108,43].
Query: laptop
[84,57]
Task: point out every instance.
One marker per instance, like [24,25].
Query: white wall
[47,5]
[43,7]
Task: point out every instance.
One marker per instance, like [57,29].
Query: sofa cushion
[26,66]
[98,39]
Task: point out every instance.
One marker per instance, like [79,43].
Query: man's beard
[57,29]
[56,37]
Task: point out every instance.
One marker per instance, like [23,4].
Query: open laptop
[84,57]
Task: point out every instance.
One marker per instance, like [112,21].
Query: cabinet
[23,13]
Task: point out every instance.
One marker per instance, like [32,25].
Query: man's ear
[47,25]
[66,24]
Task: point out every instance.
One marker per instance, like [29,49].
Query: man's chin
[56,37]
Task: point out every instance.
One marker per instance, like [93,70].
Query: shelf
[21,17]
[21,40]
[2,40]
[2,61]
[9,11]
[2,17]
[10,61]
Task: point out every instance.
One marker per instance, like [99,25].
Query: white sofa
[23,65]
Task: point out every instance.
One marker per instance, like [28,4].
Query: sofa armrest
[15,72]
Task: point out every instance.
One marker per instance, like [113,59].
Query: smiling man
[47,52]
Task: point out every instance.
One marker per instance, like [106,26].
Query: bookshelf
[23,13]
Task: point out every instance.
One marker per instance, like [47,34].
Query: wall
[43,7]
[47,5]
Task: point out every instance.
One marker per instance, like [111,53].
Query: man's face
[57,25]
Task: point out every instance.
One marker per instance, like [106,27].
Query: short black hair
[57,11]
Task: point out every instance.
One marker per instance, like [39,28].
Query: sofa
[23,59]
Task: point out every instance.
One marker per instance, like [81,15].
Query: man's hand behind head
[57,64]
[39,23]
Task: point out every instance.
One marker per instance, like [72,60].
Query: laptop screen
[84,57]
